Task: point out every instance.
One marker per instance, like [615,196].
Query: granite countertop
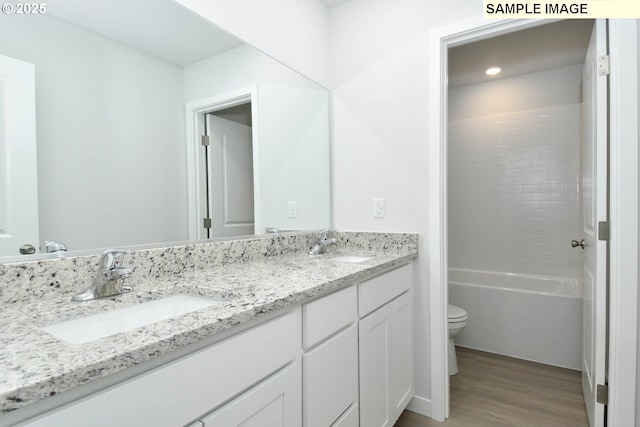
[35,365]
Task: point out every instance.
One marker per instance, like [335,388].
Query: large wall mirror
[151,125]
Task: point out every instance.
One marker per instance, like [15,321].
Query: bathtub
[530,317]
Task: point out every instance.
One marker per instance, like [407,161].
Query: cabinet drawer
[378,291]
[330,378]
[326,316]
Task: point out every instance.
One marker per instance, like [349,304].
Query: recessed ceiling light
[493,71]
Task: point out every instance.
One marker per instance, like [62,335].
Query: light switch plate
[293,209]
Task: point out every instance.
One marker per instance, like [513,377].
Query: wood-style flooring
[495,391]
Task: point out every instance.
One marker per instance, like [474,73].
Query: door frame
[624,110]
[624,161]
[195,112]
[440,40]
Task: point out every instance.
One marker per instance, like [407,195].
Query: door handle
[575,243]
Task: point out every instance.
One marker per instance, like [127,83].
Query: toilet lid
[456,313]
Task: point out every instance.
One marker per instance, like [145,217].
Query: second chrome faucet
[324,240]
[109,280]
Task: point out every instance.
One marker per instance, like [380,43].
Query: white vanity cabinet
[386,347]
[330,361]
[181,391]
[342,360]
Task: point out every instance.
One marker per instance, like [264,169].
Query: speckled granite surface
[252,277]
[25,281]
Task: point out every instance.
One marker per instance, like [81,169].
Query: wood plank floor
[496,391]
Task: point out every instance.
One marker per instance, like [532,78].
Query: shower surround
[514,192]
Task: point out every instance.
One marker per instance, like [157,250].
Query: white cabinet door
[330,378]
[401,349]
[386,362]
[374,369]
[273,403]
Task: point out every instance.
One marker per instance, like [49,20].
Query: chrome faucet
[109,280]
[50,247]
[323,241]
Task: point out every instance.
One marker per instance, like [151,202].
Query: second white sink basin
[91,328]
[351,258]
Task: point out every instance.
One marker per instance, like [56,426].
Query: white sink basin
[351,258]
[91,328]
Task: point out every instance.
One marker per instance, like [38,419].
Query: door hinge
[602,394]
[603,230]
[603,65]
[207,223]
[205,140]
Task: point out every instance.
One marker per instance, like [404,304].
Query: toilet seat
[456,314]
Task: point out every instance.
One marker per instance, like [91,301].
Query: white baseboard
[420,405]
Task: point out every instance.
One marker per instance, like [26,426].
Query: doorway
[223,165]
[516,189]
[229,172]
[443,39]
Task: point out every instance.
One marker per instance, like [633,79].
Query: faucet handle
[113,258]
[324,234]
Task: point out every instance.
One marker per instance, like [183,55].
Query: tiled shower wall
[514,192]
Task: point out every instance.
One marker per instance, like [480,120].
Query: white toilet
[457,322]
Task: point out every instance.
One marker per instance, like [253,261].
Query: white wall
[379,74]
[97,185]
[292,124]
[292,31]
[514,170]
[559,86]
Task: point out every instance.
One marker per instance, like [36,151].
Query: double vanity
[250,331]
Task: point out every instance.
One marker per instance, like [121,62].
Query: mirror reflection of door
[18,179]
[230,172]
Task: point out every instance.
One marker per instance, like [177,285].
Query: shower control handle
[575,243]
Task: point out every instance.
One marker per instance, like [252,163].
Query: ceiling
[540,48]
[332,3]
[169,31]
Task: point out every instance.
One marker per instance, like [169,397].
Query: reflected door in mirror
[230,172]
[18,178]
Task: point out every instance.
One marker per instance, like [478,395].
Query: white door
[231,206]
[594,193]
[18,163]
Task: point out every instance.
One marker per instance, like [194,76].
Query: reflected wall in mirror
[121,101]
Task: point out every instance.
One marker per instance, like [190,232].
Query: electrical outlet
[378,208]
[293,209]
